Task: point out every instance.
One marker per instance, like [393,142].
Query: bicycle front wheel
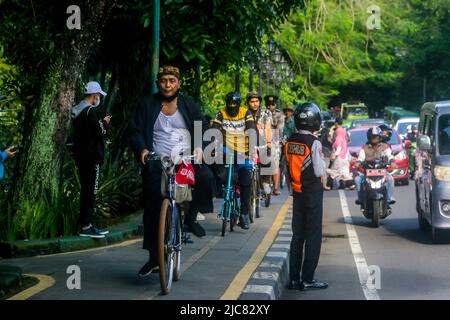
[225,215]
[166,252]
[177,262]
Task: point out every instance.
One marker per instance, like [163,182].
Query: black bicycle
[171,235]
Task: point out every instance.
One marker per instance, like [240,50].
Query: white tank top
[170,135]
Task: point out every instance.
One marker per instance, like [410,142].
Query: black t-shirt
[88,136]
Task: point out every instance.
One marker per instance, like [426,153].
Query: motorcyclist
[386,133]
[375,149]
[412,136]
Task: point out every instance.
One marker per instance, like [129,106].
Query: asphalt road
[410,266]
[210,265]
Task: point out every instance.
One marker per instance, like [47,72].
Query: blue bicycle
[231,205]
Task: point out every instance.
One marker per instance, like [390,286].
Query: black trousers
[307,235]
[202,201]
[89,173]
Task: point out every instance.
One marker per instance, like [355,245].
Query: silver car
[432,174]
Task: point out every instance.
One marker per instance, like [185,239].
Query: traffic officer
[307,169]
[277,136]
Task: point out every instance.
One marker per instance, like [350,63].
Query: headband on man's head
[171,70]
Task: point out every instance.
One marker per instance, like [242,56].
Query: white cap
[93,87]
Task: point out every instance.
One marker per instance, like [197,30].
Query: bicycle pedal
[187,239]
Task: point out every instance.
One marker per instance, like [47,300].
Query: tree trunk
[43,151]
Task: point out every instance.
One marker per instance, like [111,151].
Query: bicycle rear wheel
[166,252]
[253,199]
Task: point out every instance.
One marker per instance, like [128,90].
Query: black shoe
[244,222]
[294,285]
[148,268]
[392,201]
[313,285]
[196,229]
[91,232]
[358,202]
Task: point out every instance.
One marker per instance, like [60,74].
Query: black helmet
[307,117]
[375,131]
[385,137]
[233,97]
[270,99]
[252,95]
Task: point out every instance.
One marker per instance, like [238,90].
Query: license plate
[376,172]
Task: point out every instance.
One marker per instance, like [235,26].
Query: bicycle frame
[229,191]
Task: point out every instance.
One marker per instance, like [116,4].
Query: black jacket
[144,117]
[88,136]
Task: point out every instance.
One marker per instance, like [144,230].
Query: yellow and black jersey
[234,128]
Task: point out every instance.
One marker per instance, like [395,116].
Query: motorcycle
[374,204]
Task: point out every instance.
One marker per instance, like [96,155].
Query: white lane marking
[358,254]
[195,257]
[192,259]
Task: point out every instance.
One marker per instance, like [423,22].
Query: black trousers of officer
[89,173]
[307,234]
[202,201]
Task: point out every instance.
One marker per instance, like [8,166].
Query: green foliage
[54,214]
[330,47]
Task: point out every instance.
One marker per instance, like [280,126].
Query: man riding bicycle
[263,121]
[235,122]
[163,123]
[373,150]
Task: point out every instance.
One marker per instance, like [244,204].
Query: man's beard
[170,98]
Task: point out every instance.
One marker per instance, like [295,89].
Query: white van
[403,123]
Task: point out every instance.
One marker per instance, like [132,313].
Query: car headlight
[400,156]
[442,173]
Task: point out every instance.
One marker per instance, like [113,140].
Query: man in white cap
[88,148]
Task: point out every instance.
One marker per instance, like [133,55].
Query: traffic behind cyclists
[160,124]
[234,122]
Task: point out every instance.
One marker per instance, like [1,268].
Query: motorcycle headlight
[442,173]
[401,155]
[376,184]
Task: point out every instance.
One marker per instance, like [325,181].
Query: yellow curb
[44,283]
[236,287]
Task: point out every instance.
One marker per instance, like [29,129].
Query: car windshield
[444,135]
[326,116]
[360,123]
[358,138]
[357,111]
[403,126]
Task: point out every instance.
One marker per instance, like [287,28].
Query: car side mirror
[424,143]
